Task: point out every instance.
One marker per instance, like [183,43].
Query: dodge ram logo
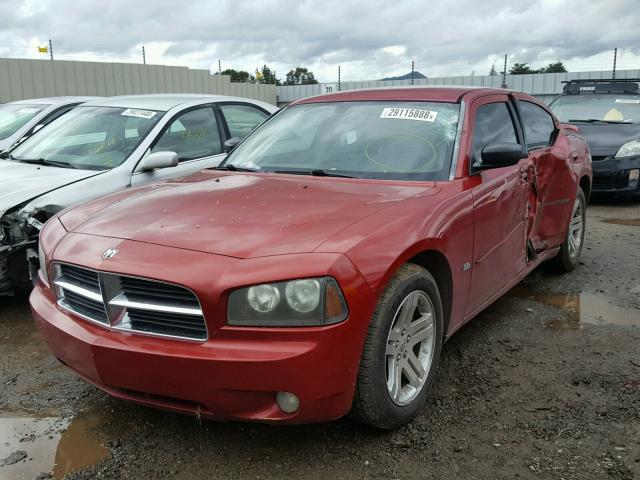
[110,253]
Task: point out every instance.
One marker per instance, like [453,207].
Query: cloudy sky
[369,39]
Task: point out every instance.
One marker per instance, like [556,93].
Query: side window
[191,135]
[493,124]
[538,125]
[242,119]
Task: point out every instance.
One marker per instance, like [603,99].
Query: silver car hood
[21,182]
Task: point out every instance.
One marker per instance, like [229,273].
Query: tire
[569,255]
[385,403]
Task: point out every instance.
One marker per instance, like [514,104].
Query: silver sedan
[21,119]
[105,146]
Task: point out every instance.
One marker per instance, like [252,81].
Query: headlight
[43,264]
[629,149]
[296,303]
[263,298]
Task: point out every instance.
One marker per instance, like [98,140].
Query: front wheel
[401,352]
[569,255]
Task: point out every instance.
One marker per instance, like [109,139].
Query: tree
[239,76]
[493,72]
[521,69]
[300,76]
[266,75]
[555,67]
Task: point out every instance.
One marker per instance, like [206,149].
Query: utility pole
[339,85]
[219,68]
[504,72]
[615,61]
[50,49]
[144,56]
[412,70]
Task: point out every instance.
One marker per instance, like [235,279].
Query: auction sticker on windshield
[409,114]
[134,112]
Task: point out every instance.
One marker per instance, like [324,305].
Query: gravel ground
[545,384]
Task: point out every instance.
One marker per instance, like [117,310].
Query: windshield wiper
[314,173]
[597,120]
[233,168]
[42,161]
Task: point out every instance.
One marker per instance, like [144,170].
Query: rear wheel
[402,350]
[569,255]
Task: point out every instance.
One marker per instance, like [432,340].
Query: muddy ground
[545,384]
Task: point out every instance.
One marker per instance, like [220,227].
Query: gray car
[105,146]
[21,119]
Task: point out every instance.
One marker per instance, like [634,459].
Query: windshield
[381,140]
[605,107]
[15,116]
[90,138]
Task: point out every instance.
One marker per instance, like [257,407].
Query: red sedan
[320,268]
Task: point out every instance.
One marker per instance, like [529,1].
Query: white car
[105,146]
[19,120]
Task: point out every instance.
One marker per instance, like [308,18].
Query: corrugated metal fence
[545,86]
[20,79]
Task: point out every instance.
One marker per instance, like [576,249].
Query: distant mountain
[416,76]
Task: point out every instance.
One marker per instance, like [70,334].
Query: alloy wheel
[410,347]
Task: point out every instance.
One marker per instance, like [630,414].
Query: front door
[500,201]
[196,137]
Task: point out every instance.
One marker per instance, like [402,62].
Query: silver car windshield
[615,108]
[90,138]
[15,116]
[379,140]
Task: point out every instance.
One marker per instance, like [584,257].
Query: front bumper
[611,175]
[18,264]
[235,374]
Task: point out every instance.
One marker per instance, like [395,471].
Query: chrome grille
[81,277]
[85,306]
[130,303]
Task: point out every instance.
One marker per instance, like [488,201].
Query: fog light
[288,402]
[633,177]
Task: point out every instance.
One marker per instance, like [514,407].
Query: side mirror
[231,144]
[158,160]
[500,155]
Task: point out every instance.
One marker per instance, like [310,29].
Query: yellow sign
[43,49]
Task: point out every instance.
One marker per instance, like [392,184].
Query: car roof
[52,100]
[167,101]
[451,94]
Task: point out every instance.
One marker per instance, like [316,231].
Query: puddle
[629,222]
[581,308]
[52,444]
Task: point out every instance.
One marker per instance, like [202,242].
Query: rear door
[196,135]
[500,201]
[554,185]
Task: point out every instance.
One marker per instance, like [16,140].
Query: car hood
[22,182]
[243,215]
[605,140]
